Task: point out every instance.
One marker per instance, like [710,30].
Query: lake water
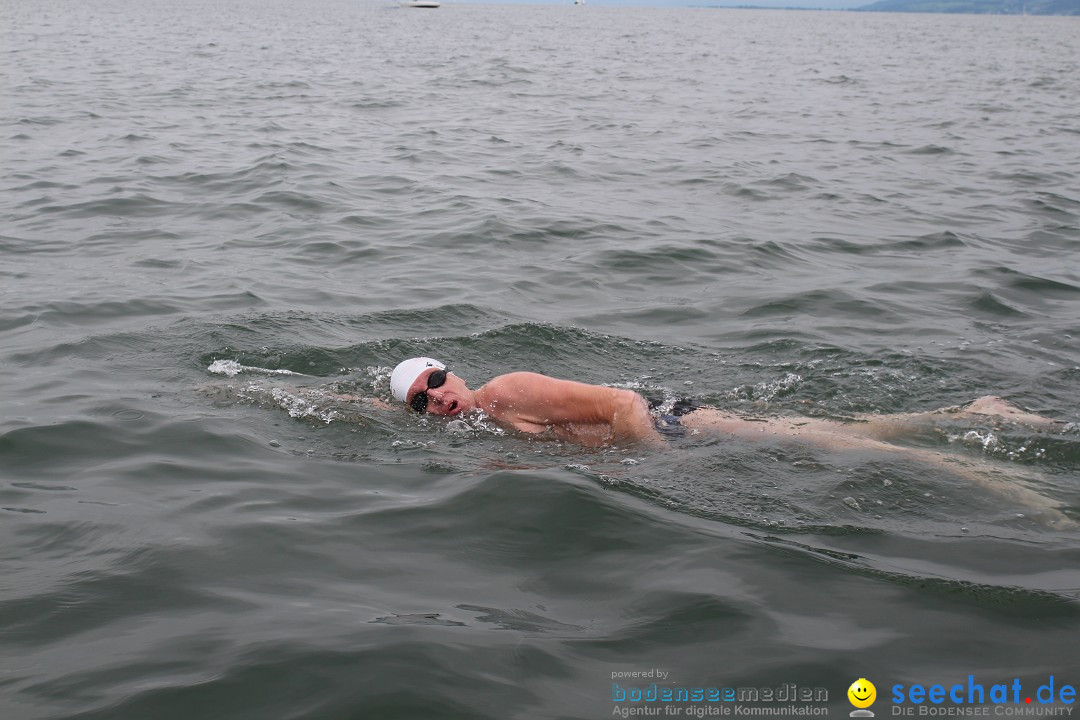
[773,212]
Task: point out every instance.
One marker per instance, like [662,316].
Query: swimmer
[595,415]
[590,415]
[600,416]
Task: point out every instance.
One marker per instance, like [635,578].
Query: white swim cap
[407,371]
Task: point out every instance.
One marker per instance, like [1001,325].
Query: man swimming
[599,416]
[596,415]
[590,415]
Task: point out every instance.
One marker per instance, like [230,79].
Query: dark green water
[820,214]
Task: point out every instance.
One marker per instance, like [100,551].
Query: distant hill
[984,7]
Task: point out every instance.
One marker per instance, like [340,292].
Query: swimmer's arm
[540,400]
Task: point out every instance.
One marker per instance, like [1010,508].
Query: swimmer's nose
[435,395]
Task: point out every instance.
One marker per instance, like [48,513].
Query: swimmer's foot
[994,406]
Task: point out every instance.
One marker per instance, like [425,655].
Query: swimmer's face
[418,392]
[862,693]
[437,392]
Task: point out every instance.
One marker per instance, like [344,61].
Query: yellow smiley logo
[862,693]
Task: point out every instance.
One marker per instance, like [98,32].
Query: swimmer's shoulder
[518,383]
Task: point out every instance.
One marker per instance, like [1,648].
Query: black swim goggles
[420,400]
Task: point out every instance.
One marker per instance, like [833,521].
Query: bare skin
[594,415]
[870,431]
[589,415]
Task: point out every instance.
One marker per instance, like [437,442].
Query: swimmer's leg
[997,407]
[707,419]
[983,409]
[831,435]
[1007,482]
[824,433]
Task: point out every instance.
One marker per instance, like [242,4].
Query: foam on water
[1027,449]
[232,368]
[475,422]
[304,404]
[767,391]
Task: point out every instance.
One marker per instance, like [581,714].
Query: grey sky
[823,4]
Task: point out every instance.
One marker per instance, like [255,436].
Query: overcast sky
[825,4]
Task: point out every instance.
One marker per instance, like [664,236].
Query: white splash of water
[380,377]
[300,405]
[991,443]
[766,391]
[661,408]
[987,439]
[232,368]
[476,422]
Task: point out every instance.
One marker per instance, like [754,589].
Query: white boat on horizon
[419,3]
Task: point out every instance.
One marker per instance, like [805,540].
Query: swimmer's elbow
[631,419]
